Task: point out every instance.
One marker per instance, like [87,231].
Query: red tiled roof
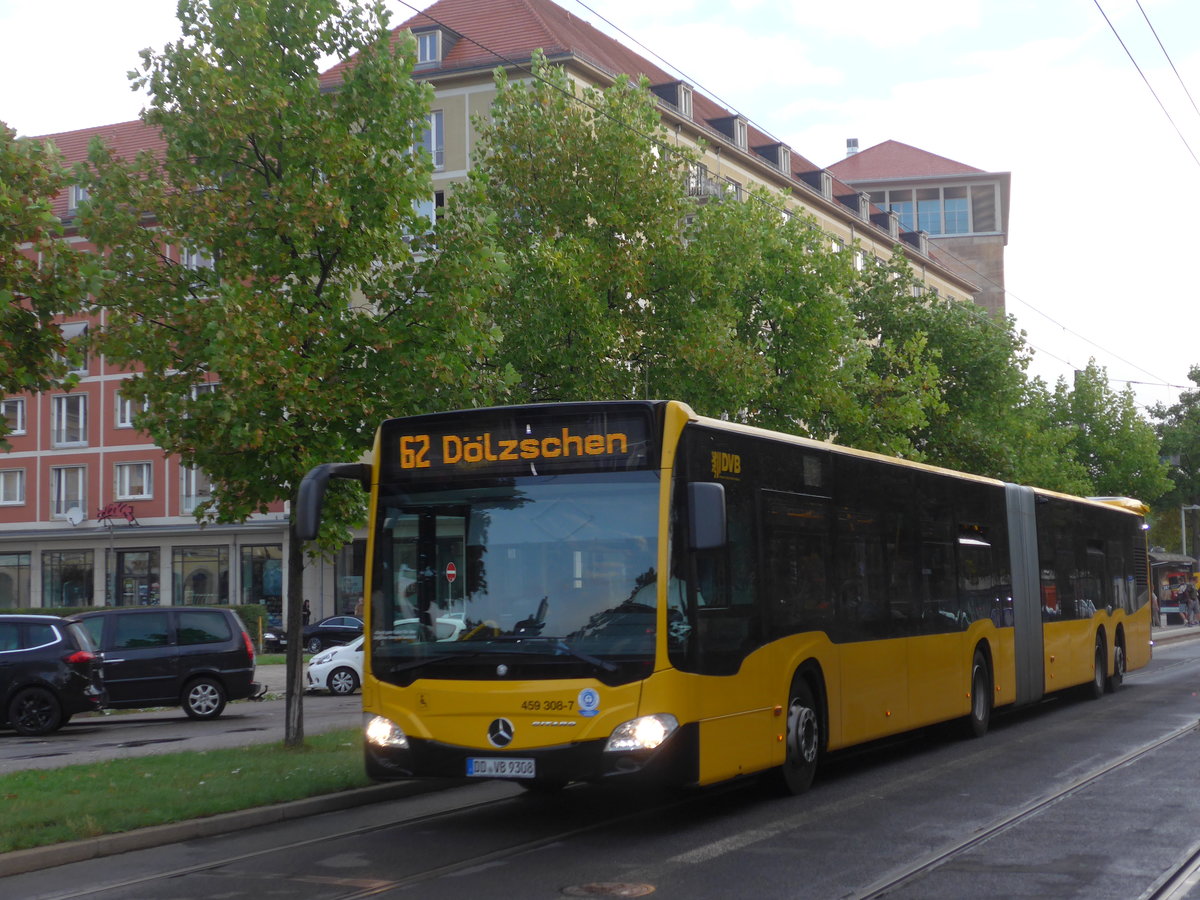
[893,159]
[495,32]
[125,139]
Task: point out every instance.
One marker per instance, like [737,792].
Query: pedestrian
[1193,604]
[307,614]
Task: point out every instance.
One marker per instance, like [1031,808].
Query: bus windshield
[527,577]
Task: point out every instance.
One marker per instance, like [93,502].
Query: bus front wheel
[803,738]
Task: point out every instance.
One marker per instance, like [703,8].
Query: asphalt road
[102,736]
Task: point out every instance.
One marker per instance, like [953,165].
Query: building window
[127,409]
[685,100]
[902,206]
[956,216]
[195,259]
[433,140]
[67,577]
[133,481]
[739,133]
[350,565]
[78,195]
[68,489]
[14,580]
[429,48]
[201,575]
[76,360]
[262,576]
[432,208]
[14,414]
[195,488]
[69,425]
[929,210]
[12,487]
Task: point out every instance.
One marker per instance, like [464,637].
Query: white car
[338,669]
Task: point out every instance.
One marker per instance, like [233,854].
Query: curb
[18,862]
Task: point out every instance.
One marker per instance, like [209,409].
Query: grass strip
[49,806]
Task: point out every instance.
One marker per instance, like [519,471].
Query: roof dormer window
[429,48]
[734,128]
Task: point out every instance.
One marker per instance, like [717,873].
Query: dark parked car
[330,632]
[194,657]
[49,671]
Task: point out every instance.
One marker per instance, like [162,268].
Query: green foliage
[40,275]
[585,209]
[1178,429]
[313,318]
[1110,438]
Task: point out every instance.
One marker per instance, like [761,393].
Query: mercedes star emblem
[500,733]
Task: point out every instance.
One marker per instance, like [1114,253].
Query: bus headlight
[644,733]
[385,733]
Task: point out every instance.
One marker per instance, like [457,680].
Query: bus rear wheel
[802,738]
[1095,687]
[1119,665]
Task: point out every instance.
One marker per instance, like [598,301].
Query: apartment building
[962,209]
[92,513]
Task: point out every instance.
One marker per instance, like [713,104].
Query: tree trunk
[294,698]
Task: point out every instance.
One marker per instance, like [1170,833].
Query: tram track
[353,889]
[1172,885]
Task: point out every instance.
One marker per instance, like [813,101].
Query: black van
[189,656]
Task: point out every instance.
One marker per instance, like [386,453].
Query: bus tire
[802,738]
[1114,681]
[1095,687]
[980,716]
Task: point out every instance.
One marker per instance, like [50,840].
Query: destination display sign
[539,440]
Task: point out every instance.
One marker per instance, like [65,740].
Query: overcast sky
[1103,224]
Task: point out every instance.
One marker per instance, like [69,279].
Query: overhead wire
[1157,99]
[1154,32]
[982,316]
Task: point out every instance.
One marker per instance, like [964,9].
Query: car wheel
[35,711]
[342,681]
[203,698]
[314,644]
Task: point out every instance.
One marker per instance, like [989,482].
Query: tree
[40,275]
[1178,429]
[587,196]
[985,415]
[1110,438]
[277,269]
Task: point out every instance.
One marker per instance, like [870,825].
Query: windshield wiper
[430,660]
[563,647]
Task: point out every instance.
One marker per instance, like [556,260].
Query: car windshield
[543,574]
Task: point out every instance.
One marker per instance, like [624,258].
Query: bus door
[874,656]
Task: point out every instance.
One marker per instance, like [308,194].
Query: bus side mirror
[311,495]
[706,515]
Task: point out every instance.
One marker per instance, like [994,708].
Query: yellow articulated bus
[583,591]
